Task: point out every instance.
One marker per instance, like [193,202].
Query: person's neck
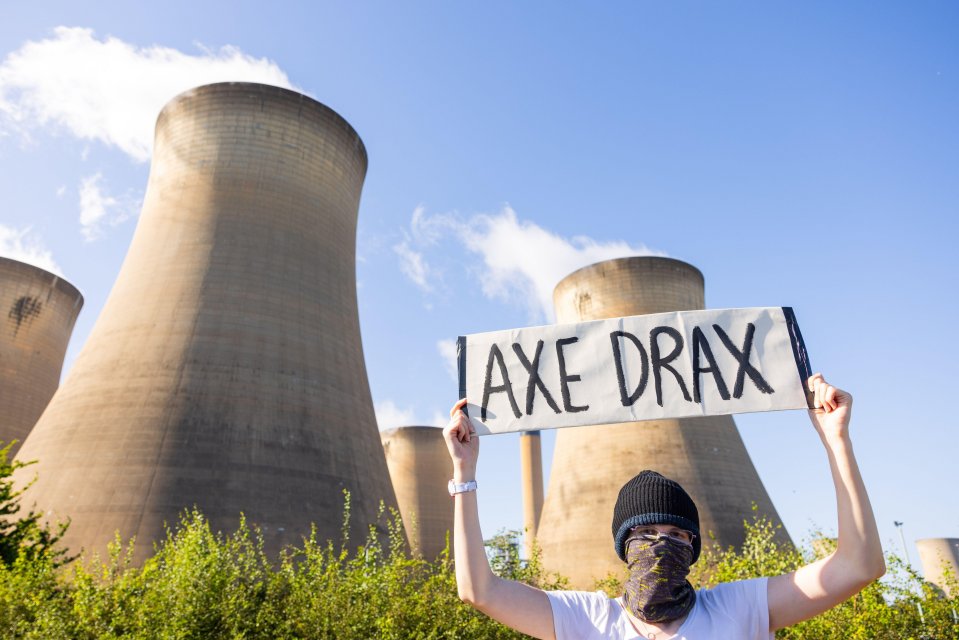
[653,630]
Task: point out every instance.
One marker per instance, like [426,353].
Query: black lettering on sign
[489,389]
[743,358]
[701,345]
[535,381]
[663,363]
[565,378]
[630,398]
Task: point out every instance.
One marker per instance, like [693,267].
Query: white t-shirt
[733,610]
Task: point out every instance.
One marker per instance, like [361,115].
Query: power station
[705,455]
[40,309]
[940,562]
[420,467]
[226,370]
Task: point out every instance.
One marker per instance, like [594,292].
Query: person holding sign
[656,532]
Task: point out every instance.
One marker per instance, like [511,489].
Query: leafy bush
[888,608]
[205,584]
[23,535]
[210,585]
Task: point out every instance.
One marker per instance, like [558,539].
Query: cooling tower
[590,464]
[226,369]
[940,562]
[420,468]
[41,309]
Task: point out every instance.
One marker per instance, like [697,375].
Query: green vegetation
[206,585]
[886,609]
[23,535]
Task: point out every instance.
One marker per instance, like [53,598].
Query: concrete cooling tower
[226,369]
[940,562]
[420,468]
[705,455]
[40,310]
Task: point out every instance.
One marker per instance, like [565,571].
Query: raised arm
[514,604]
[857,560]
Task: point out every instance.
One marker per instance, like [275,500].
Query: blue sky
[801,155]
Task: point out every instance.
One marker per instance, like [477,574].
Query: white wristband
[461,487]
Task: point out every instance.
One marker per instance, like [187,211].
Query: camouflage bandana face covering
[657,589]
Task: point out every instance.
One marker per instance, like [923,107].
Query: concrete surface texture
[940,562]
[420,468]
[226,369]
[39,311]
[590,464]
[531,467]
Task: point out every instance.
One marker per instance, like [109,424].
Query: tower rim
[262,88]
[59,281]
[579,273]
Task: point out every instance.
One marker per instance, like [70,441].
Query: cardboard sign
[665,365]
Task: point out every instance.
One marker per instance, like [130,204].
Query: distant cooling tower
[420,468]
[40,309]
[940,558]
[226,369]
[590,464]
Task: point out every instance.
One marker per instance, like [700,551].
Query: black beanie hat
[649,498]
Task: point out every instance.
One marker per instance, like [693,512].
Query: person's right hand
[462,442]
[832,409]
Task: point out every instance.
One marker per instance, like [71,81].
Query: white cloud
[414,266]
[425,231]
[109,90]
[98,208]
[525,262]
[447,349]
[521,262]
[389,416]
[25,246]
[428,230]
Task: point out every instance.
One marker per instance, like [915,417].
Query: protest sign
[665,365]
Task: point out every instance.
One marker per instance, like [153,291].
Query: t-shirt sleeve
[579,614]
[746,601]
